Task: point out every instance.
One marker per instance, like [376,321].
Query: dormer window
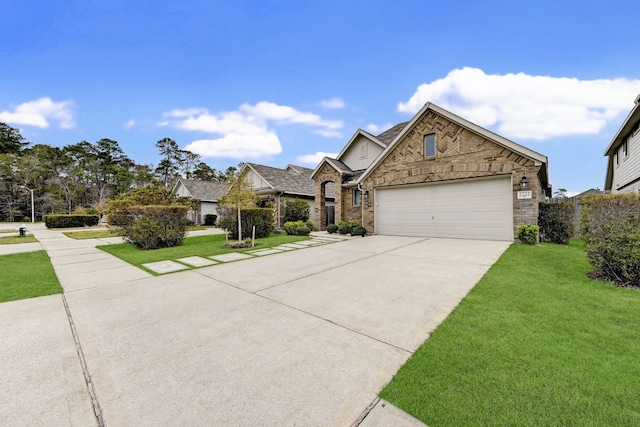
[430,145]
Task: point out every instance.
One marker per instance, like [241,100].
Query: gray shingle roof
[305,171]
[207,191]
[293,180]
[340,167]
[389,135]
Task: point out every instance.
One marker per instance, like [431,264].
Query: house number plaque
[524,194]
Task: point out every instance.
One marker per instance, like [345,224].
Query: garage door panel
[480,209]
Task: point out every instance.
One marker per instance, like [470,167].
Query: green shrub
[67,221]
[296,228]
[528,234]
[610,227]
[303,230]
[556,221]
[358,231]
[151,195]
[210,219]
[261,218]
[344,227]
[309,224]
[332,228]
[154,226]
[296,210]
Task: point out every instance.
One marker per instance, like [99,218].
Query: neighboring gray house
[279,185]
[623,166]
[207,192]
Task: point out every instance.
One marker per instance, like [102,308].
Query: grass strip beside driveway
[203,246]
[15,240]
[534,343]
[27,275]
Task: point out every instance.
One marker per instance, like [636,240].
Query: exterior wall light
[366,194]
[524,182]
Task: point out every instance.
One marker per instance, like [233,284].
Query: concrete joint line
[336,324]
[366,411]
[257,294]
[87,376]
[332,268]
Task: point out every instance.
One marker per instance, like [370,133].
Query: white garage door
[479,209]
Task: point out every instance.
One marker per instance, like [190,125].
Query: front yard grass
[27,275]
[102,232]
[203,246]
[12,240]
[535,343]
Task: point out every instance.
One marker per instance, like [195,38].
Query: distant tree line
[83,176]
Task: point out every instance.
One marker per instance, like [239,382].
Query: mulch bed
[598,275]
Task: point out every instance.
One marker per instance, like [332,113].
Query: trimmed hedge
[556,221]
[528,234]
[332,228]
[67,221]
[154,226]
[358,231]
[298,228]
[296,210]
[262,218]
[610,227]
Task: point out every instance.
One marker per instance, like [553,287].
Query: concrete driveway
[307,337]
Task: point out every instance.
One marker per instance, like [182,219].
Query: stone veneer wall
[326,174]
[460,154]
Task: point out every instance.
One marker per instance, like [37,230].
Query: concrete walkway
[304,337]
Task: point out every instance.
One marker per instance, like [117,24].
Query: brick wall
[325,175]
[460,154]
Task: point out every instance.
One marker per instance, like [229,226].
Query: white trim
[354,137]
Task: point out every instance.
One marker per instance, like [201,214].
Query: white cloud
[528,107]
[40,112]
[238,145]
[376,129]
[328,133]
[131,123]
[287,115]
[246,132]
[333,103]
[314,159]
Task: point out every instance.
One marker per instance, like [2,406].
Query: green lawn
[27,275]
[102,232]
[535,343]
[91,234]
[11,240]
[203,246]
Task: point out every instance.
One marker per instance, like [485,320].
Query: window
[625,149]
[615,158]
[430,145]
[357,195]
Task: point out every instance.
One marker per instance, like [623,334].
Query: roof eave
[359,132]
[627,126]
[538,158]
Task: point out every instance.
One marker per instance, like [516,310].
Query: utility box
[22,231]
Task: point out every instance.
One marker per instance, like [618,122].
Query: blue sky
[279,82]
